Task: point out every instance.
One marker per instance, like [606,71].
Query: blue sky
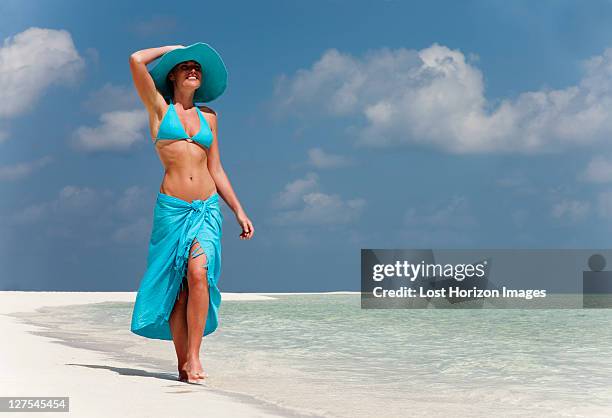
[345,125]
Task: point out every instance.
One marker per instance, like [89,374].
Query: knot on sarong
[199,214]
[197,205]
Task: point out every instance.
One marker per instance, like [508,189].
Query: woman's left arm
[223,184]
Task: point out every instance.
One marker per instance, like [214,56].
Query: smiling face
[186,75]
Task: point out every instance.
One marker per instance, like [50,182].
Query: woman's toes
[194,379]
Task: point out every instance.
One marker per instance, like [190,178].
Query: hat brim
[214,72]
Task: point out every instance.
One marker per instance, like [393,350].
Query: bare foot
[182,375]
[192,372]
[197,366]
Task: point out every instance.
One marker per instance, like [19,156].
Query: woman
[178,297]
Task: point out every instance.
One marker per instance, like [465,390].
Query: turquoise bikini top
[171,128]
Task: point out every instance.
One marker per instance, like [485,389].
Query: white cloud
[455,215]
[132,199]
[29,214]
[30,62]
[92,56]
[21,170]
[517,181]
[122,124]
[320,159]
[111,97]
[294,191]
[573,210]
[79,212]
[80,200]
[604,204]
[320,208]
[87,202]
[434,96]
[117,131]
[71,201]
[136,232]
[313,207]
[599,170]
[445,224]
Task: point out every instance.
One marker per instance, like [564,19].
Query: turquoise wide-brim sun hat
[214,72]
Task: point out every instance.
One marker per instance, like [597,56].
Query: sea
[323,355]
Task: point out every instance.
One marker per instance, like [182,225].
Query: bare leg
[178,326]
[197,311]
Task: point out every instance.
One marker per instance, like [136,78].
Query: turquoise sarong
[176,223]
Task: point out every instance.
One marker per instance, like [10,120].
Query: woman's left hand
[246,225]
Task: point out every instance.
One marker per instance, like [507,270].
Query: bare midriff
[186,174]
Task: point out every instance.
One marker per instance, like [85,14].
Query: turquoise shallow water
[324,354]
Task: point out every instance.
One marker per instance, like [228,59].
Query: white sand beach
[267,359]
[97,386]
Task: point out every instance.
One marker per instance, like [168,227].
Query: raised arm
[152,99]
